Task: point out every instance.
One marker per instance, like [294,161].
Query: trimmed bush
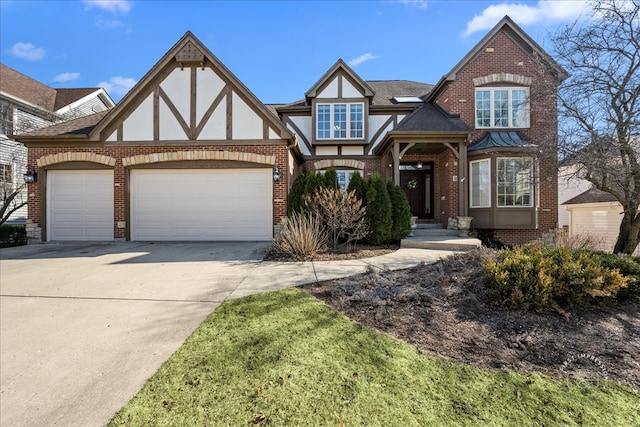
[331,179]
[12,235]
[378,210]
[400,213]
[358,186]
[629,266]
[538,279]
[295,199]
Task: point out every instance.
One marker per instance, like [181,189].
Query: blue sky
[277,49]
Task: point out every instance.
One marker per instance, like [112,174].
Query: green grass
[286,359]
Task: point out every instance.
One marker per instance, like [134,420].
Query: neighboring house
[569,186]
[595,215]
[191,154]
[26,105]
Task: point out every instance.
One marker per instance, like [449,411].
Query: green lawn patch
[286,359]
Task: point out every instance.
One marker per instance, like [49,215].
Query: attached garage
[80,205]
[201,204]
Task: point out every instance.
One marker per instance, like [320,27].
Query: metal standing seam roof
[499,139]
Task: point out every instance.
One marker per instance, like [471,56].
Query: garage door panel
[80,205]
[203,204]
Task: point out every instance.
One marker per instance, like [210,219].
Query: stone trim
[503,78]
[177,156]
[53,159]
[345,163]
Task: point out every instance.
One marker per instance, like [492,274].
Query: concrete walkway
[83,326]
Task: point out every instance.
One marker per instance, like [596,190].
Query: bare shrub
[580,240]
[342,214]
[302,236]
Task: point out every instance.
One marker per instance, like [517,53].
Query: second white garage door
[201,204]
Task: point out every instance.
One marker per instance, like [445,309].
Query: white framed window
[514,181]
[502,107]
[340,121]
[480,183]
[344,176]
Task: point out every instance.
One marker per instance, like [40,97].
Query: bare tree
[12,196]
[599,106]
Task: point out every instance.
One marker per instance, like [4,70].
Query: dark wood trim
[176,113]
[379,132]
[212,108]
[300,134]
[229,112]
[192,103]
[156,114]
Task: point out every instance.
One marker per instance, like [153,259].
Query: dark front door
[418,186]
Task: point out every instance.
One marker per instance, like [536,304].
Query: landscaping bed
[442,309]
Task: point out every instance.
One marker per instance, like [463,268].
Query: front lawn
[286,359]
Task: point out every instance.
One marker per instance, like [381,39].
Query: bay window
[480,183]
[340,121]
[514,181]
[502,107]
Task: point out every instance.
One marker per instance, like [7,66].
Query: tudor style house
[26,104]
[191,154]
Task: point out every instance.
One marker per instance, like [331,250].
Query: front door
[417,184]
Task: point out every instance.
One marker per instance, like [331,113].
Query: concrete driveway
[83,326]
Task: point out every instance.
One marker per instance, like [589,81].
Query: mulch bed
[442,309]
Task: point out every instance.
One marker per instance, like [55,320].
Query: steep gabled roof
[27,89]
[516,33]
[339,65]
[187,44]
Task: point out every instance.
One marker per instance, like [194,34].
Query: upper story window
[501,107]
[6,118]
[340,121]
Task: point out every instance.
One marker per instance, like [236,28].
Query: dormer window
[340,121]
[502,107]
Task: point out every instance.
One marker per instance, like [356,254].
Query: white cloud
[420,4]
[111,6]
[66,77]
[117,86]
[27,51]
[108,24]
[527,14]
[360,59]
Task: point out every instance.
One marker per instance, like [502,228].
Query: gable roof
[26,89]
[80,126]
[592,195]
[339,65]
[429,117]
[516,33]
[187,45]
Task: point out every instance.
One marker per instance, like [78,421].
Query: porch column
[463,180]
[396,163]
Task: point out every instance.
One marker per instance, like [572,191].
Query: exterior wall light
[419,165]
[30,176]
[276,175]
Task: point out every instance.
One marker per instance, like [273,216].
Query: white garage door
[80,205]
[201,204]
